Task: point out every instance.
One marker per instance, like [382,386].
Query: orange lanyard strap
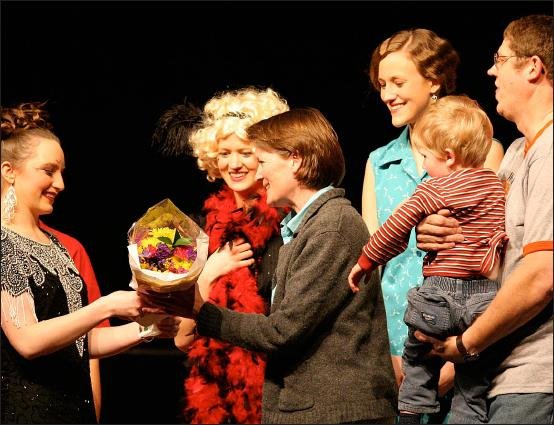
[529,143]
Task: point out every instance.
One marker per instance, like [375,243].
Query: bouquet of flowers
[167,249]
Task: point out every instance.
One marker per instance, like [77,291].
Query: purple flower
[162,252]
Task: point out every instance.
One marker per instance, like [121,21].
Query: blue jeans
[441,307]
[531,408]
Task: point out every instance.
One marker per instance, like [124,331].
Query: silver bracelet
[143,330]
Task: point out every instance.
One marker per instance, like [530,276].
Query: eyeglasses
[500,59]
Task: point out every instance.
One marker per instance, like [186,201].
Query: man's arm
[438,231]
[523,295]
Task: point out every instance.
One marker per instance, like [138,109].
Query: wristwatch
[463,351]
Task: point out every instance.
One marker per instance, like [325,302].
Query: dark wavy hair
[433,56]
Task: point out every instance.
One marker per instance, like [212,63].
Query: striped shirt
[475,197]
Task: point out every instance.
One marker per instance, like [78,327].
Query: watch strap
[463,350]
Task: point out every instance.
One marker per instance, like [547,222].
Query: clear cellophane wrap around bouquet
[167,249]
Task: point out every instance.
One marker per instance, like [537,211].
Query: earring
[434,97]
[8,205]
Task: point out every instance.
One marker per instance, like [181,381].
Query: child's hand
[356,274]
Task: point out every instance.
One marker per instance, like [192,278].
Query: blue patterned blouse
[396,178]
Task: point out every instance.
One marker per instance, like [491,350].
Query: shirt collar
[398,150]
[291,223]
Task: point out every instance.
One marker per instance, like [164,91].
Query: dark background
[109,69]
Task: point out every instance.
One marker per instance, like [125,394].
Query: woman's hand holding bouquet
[125,305]
[167,326]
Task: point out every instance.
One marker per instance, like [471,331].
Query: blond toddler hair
[457,123]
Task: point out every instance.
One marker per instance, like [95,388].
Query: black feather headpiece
[174,127]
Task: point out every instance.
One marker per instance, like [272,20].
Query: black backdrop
[108,69]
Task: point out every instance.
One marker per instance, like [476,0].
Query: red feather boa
[225,381]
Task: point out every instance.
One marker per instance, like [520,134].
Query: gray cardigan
[328,351]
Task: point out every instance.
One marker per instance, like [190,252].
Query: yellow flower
[182,263]
[164,232]
[175,265]
[150,240]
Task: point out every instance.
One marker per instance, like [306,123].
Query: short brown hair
[456,123]
[307,133]
[530,36]
[433,56]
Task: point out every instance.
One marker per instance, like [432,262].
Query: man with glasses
[499,59]
[522,310]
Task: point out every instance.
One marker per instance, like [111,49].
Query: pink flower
[149,251]
[185,253]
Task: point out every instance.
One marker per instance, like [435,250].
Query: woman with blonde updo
[224,384]
[48,327]
[228,115]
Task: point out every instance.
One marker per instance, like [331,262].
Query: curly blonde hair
[457,123]
[231,112]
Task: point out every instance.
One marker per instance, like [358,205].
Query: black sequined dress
[54,388]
